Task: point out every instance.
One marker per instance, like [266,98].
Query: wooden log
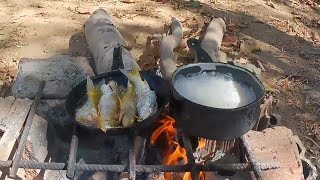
[212,39]
[168,43]
[102,37]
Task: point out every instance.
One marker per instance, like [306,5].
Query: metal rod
[25,132]
[35,165]
[191,160]
[132,158]
[141,168]
[209,167]
[139,148]
[256,168]
[100,167]
[73,154]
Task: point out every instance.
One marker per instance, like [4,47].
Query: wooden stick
[168,43]
[213,37]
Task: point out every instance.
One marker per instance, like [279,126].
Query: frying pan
[210,122]
[78,96]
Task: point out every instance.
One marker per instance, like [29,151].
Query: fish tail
[100,122]
[103,81]
[90,85]
[138,118]
[93,92]
[132,75]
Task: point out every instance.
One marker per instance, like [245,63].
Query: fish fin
[103,81]
[114,86]
[94,93]
[129,84]
[121,115]
[100,122]
[90,85]
[120,100]
[138,118]
[131,75]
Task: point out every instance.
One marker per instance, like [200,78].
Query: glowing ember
[175,153]
[202,143]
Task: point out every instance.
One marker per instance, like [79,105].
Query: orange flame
[202,143]
[175,153]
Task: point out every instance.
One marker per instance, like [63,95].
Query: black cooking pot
[78,96]
[209,122]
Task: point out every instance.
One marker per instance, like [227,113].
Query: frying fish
[108,114]
[94,92]
[87,115]
[128,109]
[146,98]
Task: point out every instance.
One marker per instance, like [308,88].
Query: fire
[202,143]
[175,153]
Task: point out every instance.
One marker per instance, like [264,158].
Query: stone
[84,64]
[277,144]
[78,45]
[61,74]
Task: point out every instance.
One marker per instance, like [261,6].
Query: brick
[277,144]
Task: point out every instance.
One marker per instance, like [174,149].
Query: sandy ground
[287,32]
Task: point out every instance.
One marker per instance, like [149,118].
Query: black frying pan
[78,96]
[209,122]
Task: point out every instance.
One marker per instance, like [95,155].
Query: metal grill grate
[132,167]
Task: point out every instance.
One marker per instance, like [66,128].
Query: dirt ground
[286,32]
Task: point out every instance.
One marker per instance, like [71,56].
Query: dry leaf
[13,71]
[229,41]
[141,39]
[232,27]
[243,61]
[249,46]
[315,36]
[250,67]
[226,49]
[222,56]
[271,4]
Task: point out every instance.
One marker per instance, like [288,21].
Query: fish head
[106,89]
[114,87]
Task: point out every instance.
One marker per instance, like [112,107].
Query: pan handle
[202,55]
[117,58]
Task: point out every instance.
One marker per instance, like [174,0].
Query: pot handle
[117,58]
[202,55]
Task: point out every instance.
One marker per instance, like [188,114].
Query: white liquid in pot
[214,90]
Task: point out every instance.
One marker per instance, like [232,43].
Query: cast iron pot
[209,122]
[78,96]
